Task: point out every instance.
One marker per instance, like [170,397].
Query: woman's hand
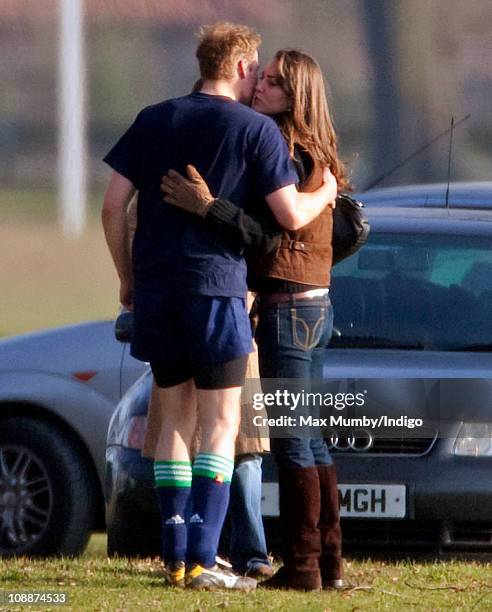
[192,194]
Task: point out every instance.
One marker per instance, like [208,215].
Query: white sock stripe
[214,461]
[158,478]
[167,468]
[173,478]
[217,457]
[170,464]
[168,471]
[181,474]
[171,475]
[222,469]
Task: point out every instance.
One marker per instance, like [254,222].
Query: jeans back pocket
[307,331]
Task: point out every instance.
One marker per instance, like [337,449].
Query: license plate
[356,500]
[372,501]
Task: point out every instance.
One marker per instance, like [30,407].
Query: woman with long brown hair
[290,273]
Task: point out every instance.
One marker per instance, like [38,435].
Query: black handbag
[350,227]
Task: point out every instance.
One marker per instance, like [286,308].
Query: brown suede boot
[299,500]
[330,561]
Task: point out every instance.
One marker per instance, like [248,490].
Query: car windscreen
[420,291]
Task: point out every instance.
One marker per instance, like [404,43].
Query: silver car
[58,390]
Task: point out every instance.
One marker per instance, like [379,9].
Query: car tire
[47,493]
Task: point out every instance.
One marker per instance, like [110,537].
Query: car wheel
[47,495]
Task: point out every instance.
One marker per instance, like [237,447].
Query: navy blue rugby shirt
[242,156]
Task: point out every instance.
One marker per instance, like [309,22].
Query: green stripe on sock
[177,468]
[163,470]
[215,460]
[213,468]
[211,474]
[213,465]
[218,457]
[173,463]
[171,483]
[172,474]
[176,464]
[208,464]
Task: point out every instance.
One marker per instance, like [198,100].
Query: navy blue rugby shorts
[202,337]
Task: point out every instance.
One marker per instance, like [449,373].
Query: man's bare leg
[218,417]
[172,472]
[178,407]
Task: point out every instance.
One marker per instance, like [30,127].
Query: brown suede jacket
[301,257]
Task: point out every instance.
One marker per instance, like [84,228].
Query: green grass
[49,279]
[96,583]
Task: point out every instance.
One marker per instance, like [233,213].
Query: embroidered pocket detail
[303,335]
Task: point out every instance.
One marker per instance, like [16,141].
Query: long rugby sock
[173,487]
[210,497]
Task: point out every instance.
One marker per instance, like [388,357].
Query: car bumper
[440,485]
[448,498]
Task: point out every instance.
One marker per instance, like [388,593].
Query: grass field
[48,280]
[95,583]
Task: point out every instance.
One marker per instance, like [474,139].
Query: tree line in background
[397,72]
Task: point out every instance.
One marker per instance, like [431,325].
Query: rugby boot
[218,577]
[174,574]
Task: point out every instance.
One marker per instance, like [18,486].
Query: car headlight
[133,433]
[474,439]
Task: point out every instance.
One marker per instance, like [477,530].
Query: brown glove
[190,194]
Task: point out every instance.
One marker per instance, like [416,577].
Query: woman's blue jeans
[288,335]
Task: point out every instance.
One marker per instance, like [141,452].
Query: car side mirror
[123,326]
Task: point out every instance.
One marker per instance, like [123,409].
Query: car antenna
[417,152]
[449,160]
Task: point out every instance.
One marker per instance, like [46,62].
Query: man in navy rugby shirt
[188,292]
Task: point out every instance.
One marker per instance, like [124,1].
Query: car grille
[403,445]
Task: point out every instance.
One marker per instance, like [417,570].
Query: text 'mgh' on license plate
[372,501]
[356,500]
